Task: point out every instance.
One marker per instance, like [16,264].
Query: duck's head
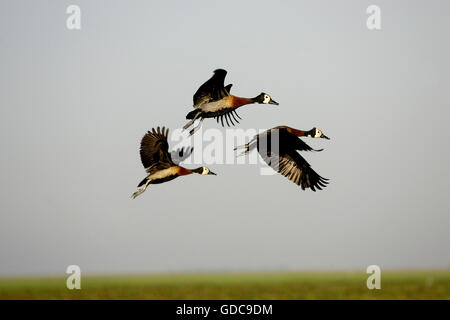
[203,171]
[316,133]
[264,98]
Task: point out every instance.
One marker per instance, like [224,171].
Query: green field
[289,285]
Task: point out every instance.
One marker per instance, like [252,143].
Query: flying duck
[285,159]
[213,100]
[158,161]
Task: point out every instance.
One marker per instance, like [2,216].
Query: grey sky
[75,104]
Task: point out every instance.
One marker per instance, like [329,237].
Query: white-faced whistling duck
[213,100]
[158,161]
[286,160]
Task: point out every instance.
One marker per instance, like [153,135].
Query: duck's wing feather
[293,166]
[155,150]
[212,90]
[228,88]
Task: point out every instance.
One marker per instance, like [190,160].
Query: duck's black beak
[273,102]
[212,173]
[324,137]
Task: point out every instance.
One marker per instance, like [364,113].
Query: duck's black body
[279,148]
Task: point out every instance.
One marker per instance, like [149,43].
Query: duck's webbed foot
[194,130]
[248,147]
[190,123]
[140,190]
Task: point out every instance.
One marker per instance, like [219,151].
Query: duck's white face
[205,171]
[318,133]
[266,99]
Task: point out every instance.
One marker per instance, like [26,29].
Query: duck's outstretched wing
[293,166]
[181,154]
[155,150]
[212,90]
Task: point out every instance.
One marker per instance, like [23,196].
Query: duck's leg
[141,190]
[241,147]
[190,123]
[248,146]
[194,130]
